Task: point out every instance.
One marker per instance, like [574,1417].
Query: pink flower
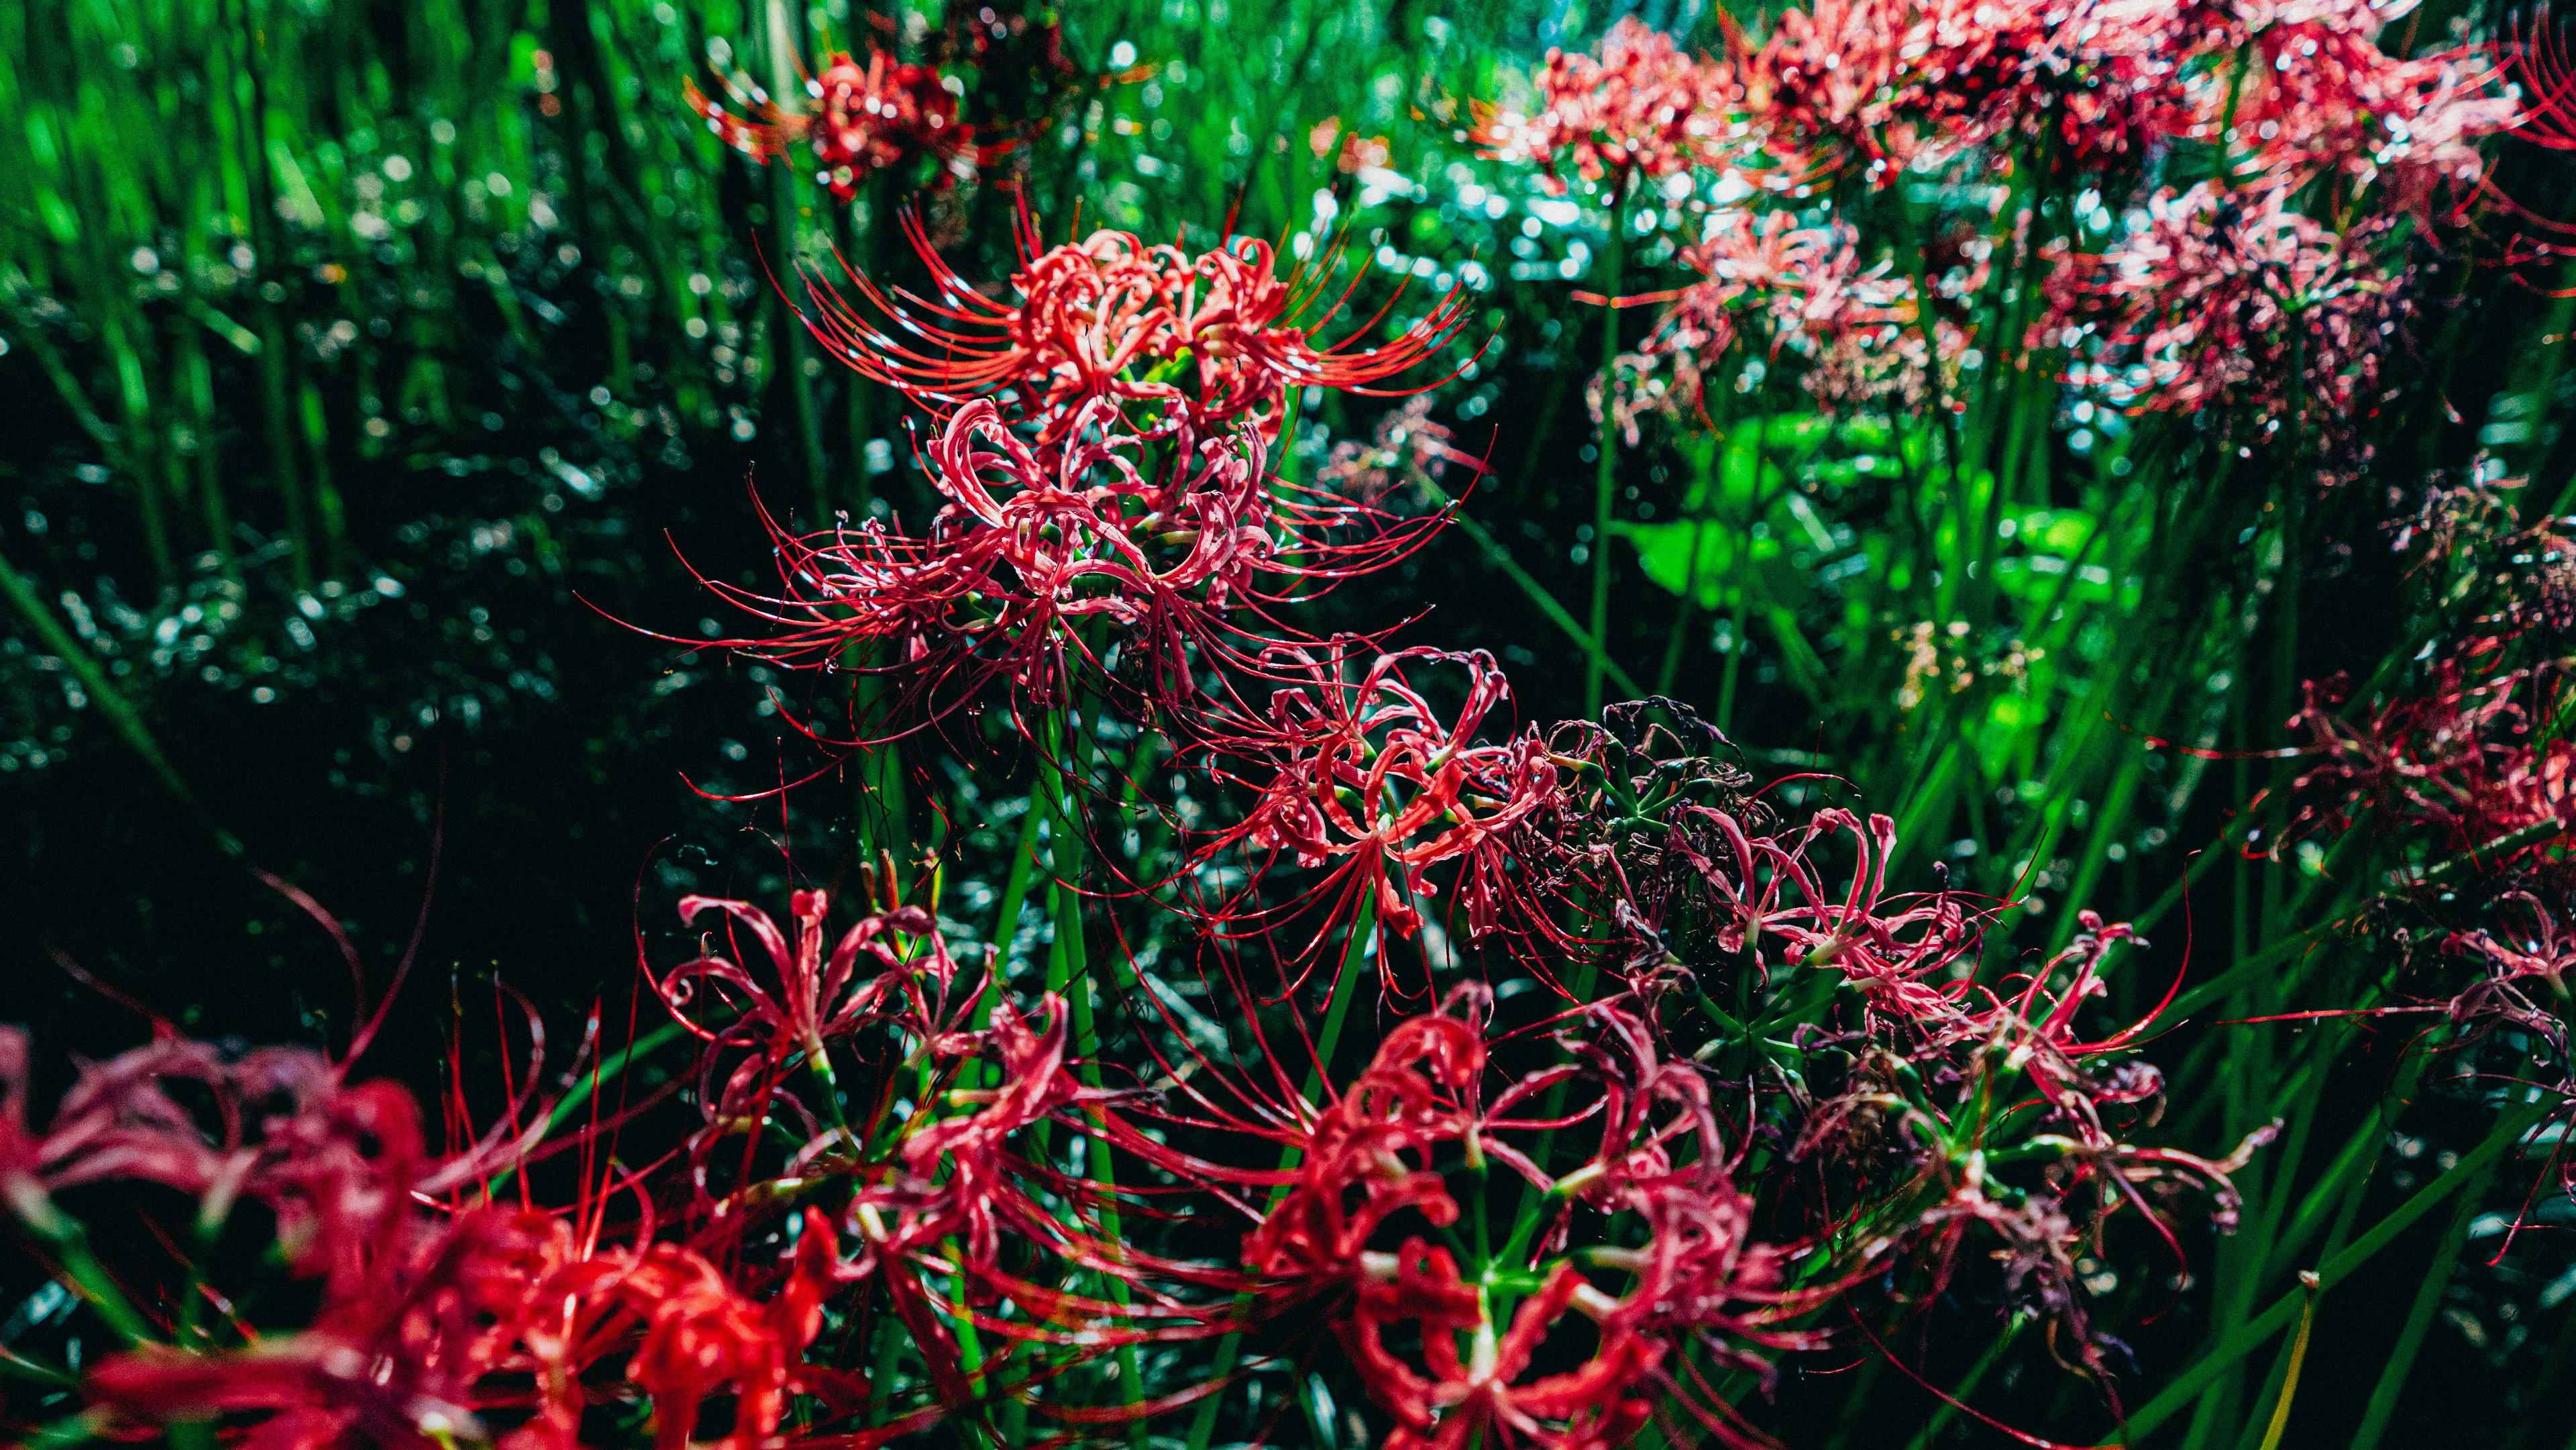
[2235,300]
[1642,109]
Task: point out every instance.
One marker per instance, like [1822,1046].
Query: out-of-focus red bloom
[1805,285]
[498,1310]
[2455,767]
[866,119]
[1355,154]
[1158,529]
[2312,95]
[2526,985]
[1111,317]
[1643,108]
[1885,81]
[2232,299]
[1365,776]
[1407,447]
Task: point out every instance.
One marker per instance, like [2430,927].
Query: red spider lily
[2538,956]
[335,1163]
[1459,1399]
[400,1359]
[2220,299]
[1641,109]
[1156,530]
[964,1218]
[1407,447]
[2537,58]
[498,1310]
[1764,886]
[2312,95]
[1111,317]
[1883,80]
[1375,1140]
[2455,766]
[1805,284]
[1367,775]
[866,120]
[814,1002]
[697,1335]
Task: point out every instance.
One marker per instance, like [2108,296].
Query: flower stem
[1354,956]
[1605,475]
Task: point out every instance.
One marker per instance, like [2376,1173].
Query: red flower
[1476,1396]
[2221,299]
[1408,446]
[2455,766]
[866,120]
[1158,529]
[1110,317]
[1367,775]
[1642,109]
[809,1003]
[1375,1140]
[1806,284]
[2314,96]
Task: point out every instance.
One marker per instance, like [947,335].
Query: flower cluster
[1642,109]
[2275,287]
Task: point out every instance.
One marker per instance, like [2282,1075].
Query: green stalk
[1605,473]
[2298,1359]
[1069,973]
[1497,554]
[1930,1434]
[2187,1387]
[2419,1316]
[1229,1350]
[112,702]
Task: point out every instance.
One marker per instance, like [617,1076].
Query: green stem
[2187,1388]
[1605,475]
[1229,1350]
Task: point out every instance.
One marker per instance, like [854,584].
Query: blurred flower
[2312,95]
[1408,447]
[1641,109]
[2455,767]
[2235,300]
[867,119]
